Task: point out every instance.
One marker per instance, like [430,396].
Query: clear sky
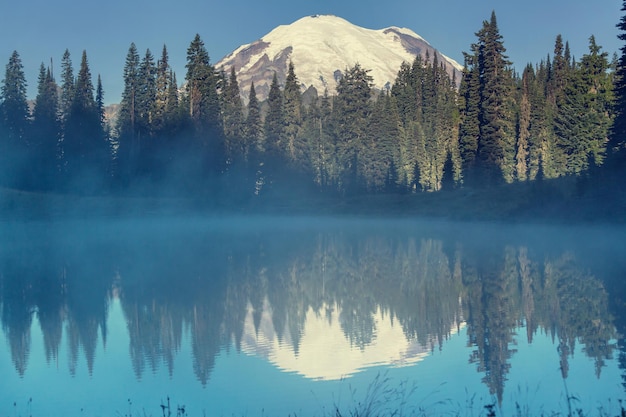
[42,29]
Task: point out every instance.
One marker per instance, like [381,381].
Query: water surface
[276,316]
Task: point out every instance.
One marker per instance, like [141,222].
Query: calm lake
[239,316]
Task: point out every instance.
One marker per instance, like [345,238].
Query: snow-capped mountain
[321,47]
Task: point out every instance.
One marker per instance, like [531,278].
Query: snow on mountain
[321,47]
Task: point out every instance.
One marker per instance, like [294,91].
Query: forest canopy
[561,117]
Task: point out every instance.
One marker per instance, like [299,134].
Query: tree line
[428,132]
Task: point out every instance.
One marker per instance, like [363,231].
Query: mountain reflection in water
[322,299]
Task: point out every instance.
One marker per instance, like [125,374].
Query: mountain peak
[321,48]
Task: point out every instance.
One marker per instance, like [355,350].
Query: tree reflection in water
[207,280]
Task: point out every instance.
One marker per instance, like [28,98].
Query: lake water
[237,316]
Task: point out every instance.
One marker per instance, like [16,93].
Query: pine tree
[274,126]
[370,163]
[292,106]
[14,113]
[560,77]
[404,91]
[104,128]
[100,102]
[539,126]
[381,150]
[173,117]
[496,140]
[253,129]
[470,110]
[253,144]
[146,99]
[67,85]
[204,106]
[618,131]
[145,105]
[232,114]
[319,147]
[584,118]
[351,111]
[430,129]
[523,126]
[162,82]
[559,73]
[438,125]
[46,131]
[84,145]
[14,122]
[408,91]
[128,119]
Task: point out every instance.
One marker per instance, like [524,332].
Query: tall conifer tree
[128,119]
[351,111]
[523,126]
[14,113]
[253,129]
[496,141]
[274,120]
[84,145]
[67,85]
[14,123]
[293,114]
[162,81]
[46,130]
[146,97]
[618,132]
[584,118]
[470,109]
[204,103]
[232,113]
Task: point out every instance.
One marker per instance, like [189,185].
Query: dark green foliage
[67,85]
[351,111]
[14,113]
[14,123]
[233,121]
[202,96]
[145,100]
[100,102]
[174,115]
[430,128]
[584,116]
[46,132]
[618,132]
[470,108]
[523,127]
[127,122]
[202,102]
[253,129]
[319,153]
[162,85]
[494,111]
[274,126]
[85,149]
[292,106]
[380,148]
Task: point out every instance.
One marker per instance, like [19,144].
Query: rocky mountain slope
[321,47]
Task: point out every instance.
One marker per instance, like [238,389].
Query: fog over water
[272,315]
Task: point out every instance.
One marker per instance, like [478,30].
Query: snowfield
[323,46]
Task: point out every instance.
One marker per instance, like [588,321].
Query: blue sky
[42,29]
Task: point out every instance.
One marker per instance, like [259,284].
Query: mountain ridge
[321,48]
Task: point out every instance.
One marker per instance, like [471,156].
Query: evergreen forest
[562,120]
